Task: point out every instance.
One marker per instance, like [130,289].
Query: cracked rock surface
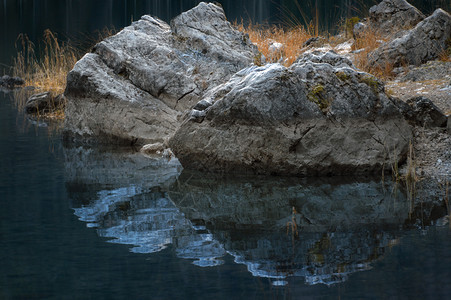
[134,85]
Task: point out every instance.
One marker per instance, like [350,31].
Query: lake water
[95,223]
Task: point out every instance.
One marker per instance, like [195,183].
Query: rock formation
[318,117]
[425,42]
[11,82]
[424,113]
[133,85]
[198,78]
[391,16]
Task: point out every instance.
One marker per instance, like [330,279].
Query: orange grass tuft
[47,73]
[291,39]
[368,41]
[445,55]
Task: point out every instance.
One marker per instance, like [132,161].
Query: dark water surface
[90,223]
[82,223]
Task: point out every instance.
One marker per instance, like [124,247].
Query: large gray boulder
[134,85]
[432,70]
[391,16]
[313,118]
[423,43]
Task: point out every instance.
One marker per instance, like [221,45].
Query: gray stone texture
[313,118]
[423,43]
[135,84]
[391,16]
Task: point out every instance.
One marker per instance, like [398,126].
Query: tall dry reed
[47,70]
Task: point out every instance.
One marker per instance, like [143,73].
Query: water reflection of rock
[124,195]
[342,225]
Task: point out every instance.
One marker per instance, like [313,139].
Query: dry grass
[367,42]
[291,40]
[49,71]
[45,72]
[444,188]
[445,55]
[411,177]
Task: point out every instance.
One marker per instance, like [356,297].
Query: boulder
[314,42]
[423,43]
[423,112]
[11,82]
[313,118]
[44,103]
[391,16]
[329,57]
[155,148]
[134,85]
[275,51]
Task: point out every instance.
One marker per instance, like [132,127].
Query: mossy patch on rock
[315,96]
[342,76]
[371,81]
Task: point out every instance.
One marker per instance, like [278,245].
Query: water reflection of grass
[408,176]
[444,187]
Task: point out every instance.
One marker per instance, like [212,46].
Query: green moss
[342,76]
[371,81]
[315,96]
[317,89]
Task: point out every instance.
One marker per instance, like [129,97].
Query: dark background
[80,20]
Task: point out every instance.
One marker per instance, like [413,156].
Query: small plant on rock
[350,25]
[342,76]
[372,82]
[315,96]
